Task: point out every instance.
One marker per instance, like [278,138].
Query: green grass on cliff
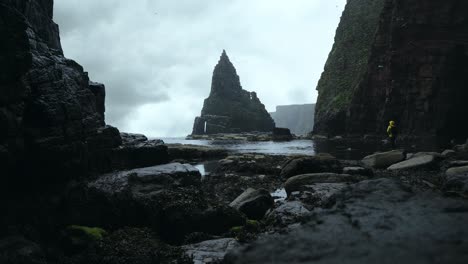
[347,62]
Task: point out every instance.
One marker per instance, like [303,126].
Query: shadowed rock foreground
[373,221]
[75,190]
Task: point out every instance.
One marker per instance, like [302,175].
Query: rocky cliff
[298,118]
[397,60]
[49,109]
[229,108]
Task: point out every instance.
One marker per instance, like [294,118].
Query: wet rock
[136,196]
[252,164]
[229,108]
[458,163]
[358,171]
[373,220]
[167,198]
[132,245]
[299,182]
[194,152]
[448,153]
[417,161]
[49,108]
[282,134]
[383,159]
[131,139]
[457,171]
[253,203]
[288,212]
[318,194]
[322,162]
[79,238]
[322,194]
[18,250]
[426,153]
[211,251]
[133,154]
[457,182]
[156,177]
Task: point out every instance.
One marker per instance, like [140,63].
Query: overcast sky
[156,57]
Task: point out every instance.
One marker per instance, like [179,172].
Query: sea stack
[229,108]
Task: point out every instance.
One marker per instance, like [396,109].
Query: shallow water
[341,150]
[304,147]
[279,194]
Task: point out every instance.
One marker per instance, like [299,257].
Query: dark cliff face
[229,108]
[409,63]
[48,107]
[298,118]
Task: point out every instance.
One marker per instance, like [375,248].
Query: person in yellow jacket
[392,132]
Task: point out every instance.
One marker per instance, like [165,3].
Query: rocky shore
[74,189]
[251,208]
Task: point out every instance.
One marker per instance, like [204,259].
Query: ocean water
[302,147]
[341,150]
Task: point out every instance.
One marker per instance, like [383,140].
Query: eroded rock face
[408,62]
[229,108]
[48,106]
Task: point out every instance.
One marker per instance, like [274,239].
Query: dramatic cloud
[156,57]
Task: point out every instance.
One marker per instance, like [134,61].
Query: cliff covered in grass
[397,60]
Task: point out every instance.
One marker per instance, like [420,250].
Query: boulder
[166,197]
[162,176]
[318,194]
[458,163]
[457,180]
[298,182]
[288,212]
[314,164]
[425,153]
[131,139]
[135,153]
[457,183]
[282,134]
[454,171]
[253,203]
[191,152]
[417,161]
[448,153]
[211,251]
[383,159]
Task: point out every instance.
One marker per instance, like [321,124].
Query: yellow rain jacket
[390,129]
